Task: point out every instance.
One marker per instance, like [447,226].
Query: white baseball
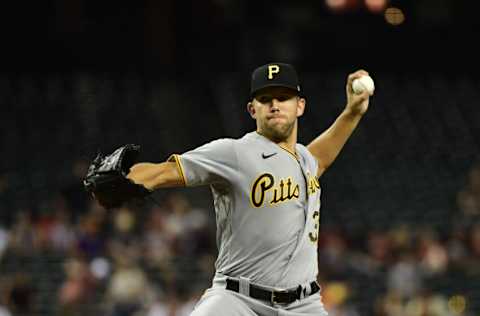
[363,83]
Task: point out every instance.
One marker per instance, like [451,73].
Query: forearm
[326,147]
[156,175]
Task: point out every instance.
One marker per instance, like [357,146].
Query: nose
[275,104]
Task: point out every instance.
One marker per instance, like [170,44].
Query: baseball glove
[107,178]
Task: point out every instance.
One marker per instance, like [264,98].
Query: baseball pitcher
[266,195]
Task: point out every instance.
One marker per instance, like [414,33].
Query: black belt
[280,297]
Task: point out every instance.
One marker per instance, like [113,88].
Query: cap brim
[252,95]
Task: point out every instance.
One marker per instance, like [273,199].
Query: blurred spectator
[335,296]
[183,220]
[128,289]
[124,222]
[62,232]
[157,240]
[468,199]
[404,277]
[390,304]
[332,254]
[401,237]
[46,222]
[431,253]
[420,305]
[457,245]
[467,203]
[22,234]
[90,242]
[378,254]
[379,249]
[77,289]
[472,262]
[20,295]
[158,248]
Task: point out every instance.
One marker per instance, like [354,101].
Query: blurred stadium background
[400,233]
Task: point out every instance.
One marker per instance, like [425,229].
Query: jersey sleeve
[214,162]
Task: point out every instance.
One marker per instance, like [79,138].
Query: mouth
[276,117]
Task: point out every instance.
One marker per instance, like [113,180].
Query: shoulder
[303,151]
[230,141]
[220,150]
[234,143]
[306,155]
[216,144]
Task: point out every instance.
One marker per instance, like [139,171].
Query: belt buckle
[273,297]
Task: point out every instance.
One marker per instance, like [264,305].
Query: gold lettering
[289,186]
[282,198]
[296,191]
[274,199]
[285,196]
[260,187]
[313,184]
[281,192]
[273,69]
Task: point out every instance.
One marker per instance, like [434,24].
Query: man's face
[276,110]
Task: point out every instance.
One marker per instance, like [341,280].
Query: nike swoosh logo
[268,156]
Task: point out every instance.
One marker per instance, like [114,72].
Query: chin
[277,131]
[278,134]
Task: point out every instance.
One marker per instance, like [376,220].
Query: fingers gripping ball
[363,83]
[107,178]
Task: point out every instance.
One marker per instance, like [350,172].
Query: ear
[301,102]
[251,110]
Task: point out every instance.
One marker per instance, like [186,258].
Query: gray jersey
[267,204]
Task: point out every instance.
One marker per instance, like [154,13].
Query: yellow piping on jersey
[290,152]
[176,158]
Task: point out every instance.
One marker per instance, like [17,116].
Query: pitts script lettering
[285,190]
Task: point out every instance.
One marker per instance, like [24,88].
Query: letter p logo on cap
[273,69]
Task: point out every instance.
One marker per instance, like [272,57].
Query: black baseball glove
[107,178]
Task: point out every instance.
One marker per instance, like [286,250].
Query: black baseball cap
[274,75]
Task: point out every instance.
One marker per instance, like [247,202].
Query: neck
[291,141]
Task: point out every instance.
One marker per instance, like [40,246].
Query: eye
[264,99]
[283,97]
